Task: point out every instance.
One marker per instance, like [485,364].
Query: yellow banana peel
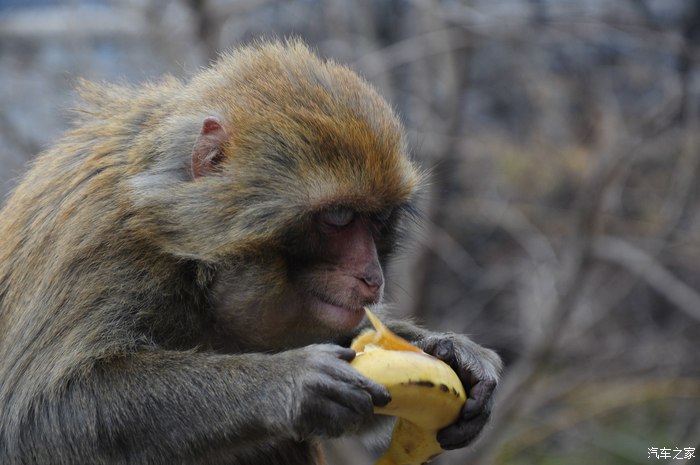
[426,394]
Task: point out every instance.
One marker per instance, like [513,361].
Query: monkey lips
[335,316]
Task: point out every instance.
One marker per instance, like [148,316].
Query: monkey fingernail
[382,400]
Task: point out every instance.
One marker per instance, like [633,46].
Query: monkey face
[345,274]
[315,286]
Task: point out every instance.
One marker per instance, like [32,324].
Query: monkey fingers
[479,379]
[472,419]
[350,388]
[334,398]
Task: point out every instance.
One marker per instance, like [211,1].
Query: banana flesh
[426,393]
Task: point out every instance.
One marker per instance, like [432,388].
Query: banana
[426,394]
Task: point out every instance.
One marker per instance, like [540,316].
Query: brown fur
[158,269]
[110,250]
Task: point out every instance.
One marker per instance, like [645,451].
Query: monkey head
[287,178]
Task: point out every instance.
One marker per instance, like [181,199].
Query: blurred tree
[561,219]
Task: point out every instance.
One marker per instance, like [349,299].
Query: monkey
[182,273]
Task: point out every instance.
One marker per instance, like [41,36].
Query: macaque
[181,275]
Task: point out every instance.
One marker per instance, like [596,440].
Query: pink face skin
[351,278]
[323,300]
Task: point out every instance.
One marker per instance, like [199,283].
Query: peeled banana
[426,394]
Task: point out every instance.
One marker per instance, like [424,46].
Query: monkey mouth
[337,316]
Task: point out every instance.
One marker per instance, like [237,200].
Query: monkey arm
[145,406]
[150,406]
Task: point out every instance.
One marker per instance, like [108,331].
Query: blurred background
[561,222]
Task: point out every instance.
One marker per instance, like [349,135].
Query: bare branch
[638,262]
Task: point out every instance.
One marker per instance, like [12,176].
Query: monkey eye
[338,217]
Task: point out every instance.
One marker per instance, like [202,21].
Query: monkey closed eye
[338,217]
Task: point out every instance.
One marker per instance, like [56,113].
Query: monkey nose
[370,285]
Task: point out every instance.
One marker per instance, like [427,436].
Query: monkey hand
[478,368]
[328,397]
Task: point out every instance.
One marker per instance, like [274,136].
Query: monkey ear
[207,152]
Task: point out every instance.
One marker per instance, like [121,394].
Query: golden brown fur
[127,283]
